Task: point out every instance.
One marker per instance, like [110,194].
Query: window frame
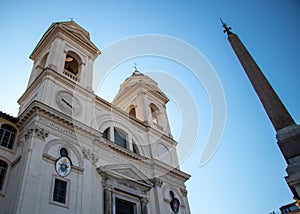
[14,138]
[4,185]
[155,112]
[135,201]
[51,201]
[121,135]
[76,61]
[106,134]
[135,148]
[109,134]
[132,111]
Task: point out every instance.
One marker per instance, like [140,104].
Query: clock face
[68,103]
[63,166]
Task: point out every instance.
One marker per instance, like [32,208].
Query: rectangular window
[3,170]
[120,139]
[60,191]
[125,203]
[124,207]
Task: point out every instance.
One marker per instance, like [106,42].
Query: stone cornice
[170,170]
[152,162]
[50,74]
[125,171]
[37,108]
[121,112]
[139,123]
[123,151]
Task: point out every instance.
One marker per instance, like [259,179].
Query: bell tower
[64,53]
[287,131]
[66,48]
[141,98]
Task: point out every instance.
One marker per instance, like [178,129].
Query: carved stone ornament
[157,182]
[88,154]
[183,191]
[144,202]
[38,132]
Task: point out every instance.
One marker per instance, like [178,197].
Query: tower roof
[139,81]
[70,29]
[137,72]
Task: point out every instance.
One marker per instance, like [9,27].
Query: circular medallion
[175,205]
[63,166]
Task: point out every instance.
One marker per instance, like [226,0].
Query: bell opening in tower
[72,66]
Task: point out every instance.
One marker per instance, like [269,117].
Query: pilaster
[35,137]
[144,202]
[107,199]
[55,54]
[158,194]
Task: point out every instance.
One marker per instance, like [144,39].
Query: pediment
[70,29]
[126,172]
[77,31]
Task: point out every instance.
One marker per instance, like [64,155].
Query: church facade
[70,151]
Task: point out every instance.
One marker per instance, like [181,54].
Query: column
[89,73]
[130,147]
[144,202]
[111,133]
[158,194]
[107,200]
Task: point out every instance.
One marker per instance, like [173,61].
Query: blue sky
[246,174]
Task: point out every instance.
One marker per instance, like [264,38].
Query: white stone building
[70,151]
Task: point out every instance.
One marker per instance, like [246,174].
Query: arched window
[3,172]
[72,64]
[43,61]
[154,114]
[171,194]
[175,204]
[132,112]
[106,134]
[135,148]
[120,138]
[63,152]
[7,136]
